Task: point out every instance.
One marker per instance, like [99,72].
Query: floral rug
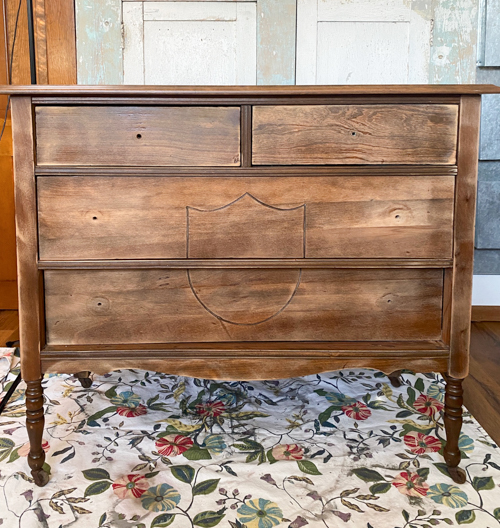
[146,450]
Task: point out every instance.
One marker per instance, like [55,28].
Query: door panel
[190,43]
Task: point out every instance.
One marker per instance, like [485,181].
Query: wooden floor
[482,387]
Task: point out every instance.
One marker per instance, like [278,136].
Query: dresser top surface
[224,91]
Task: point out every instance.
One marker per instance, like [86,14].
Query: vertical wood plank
[61,45]
[246,43]
[276,33]
[453,50]
[133,39]
[307,35]
[465,199]
[26,231]
[246,135]
[40,31]
[98,41]
[20,66]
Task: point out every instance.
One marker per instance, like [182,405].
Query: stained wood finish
[146,91]
[453,424]
[485,313]
[170,233]
[34,425]
[463,244]
[313,217]
[30,314]
[227,368]
[137,136]
[354,134]
[241,305]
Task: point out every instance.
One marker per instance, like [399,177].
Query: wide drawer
[138,136]
[355,134]
[264,217]
[203,305]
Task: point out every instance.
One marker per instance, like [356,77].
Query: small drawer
[88,217]
[355,134]
[138,136]
[225,305]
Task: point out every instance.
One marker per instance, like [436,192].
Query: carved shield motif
[245,228]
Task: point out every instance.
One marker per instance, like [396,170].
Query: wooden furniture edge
[485,313]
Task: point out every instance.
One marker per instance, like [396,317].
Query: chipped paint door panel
[190,42]
[385,41]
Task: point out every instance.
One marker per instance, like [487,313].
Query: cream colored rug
[143,450]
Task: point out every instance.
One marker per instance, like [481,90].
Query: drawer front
[355,134]
[138,136]
[289,217]
[164,306]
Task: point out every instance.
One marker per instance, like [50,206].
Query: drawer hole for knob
[353,133]
[397,216]
[94,218]
[139,136]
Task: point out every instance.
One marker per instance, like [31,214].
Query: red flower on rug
[420,443]
[130,486]
[25,448]
[427,405]
[131,412]
[210,408]
[411,485]
[173,445]
[357,411]
[288,452]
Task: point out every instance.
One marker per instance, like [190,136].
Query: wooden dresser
[245,233]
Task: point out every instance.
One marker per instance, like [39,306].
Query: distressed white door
[385,41]
[361,42]
[190,43]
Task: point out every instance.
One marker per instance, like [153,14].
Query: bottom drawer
[216,305]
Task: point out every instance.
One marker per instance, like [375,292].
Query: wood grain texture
[60,39]
[101,306]
[481,394]
[281,263]
[26,232]
[137,136]
[226,368]
[354,134]
[147,217]
[145,92]
[485,313]
[465,208]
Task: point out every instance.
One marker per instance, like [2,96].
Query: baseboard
[8,295]
[485,313]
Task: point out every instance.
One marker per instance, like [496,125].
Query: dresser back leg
[395,378]
[453,425]
[84,378]
[34,424]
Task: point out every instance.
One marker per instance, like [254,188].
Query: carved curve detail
[211,312]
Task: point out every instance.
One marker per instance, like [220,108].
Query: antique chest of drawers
[245,233]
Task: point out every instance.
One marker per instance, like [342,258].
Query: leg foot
[41,477]
[84,378]
[453,425]
[34,425]
[395,378]
[458,475]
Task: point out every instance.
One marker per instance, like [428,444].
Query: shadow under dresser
[245,233]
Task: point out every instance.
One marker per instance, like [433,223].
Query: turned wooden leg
[453,424]
[34,424]
[84,377]
[395,378]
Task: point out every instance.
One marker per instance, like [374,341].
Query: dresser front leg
[34,424]
[453,424]
[84,378]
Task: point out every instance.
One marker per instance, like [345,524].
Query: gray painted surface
[492,33]
[487,253]
[487,262]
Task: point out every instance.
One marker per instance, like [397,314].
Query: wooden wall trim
[485,313]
